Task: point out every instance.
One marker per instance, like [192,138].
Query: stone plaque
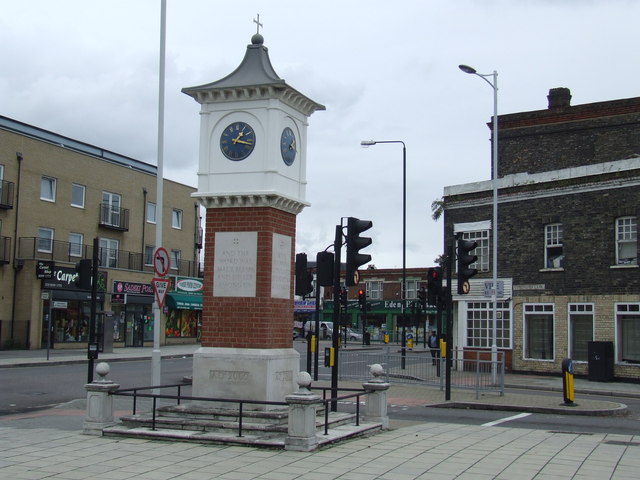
[235,264]
[281,266]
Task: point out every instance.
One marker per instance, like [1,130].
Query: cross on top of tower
[258,24]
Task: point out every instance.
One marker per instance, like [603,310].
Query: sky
[89,70]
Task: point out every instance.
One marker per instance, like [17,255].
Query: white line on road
[507,419]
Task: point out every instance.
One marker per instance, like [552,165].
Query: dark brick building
[568,200]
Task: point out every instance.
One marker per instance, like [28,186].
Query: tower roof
[253,78]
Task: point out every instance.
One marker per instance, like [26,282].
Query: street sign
[160,287]
[161,261]
[488,289]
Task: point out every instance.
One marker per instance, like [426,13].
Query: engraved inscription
[284,376]
[229,376]
[235,264]
[281,266]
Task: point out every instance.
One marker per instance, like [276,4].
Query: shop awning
[184,301]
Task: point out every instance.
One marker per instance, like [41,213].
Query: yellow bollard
[410,343]
[386,338]
[567,381]
[443,348]
[313,344]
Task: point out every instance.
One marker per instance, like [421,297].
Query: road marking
[507,419]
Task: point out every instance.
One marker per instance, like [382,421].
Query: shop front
[132,305]
[67,310]
[183,308]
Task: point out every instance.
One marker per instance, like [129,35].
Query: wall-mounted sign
[189,285]
[44,269]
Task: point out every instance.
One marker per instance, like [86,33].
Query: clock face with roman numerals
[237,141]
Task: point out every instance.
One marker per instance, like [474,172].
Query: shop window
[626,241]
[480,324]
[581,318]
[538,331]
[182,323]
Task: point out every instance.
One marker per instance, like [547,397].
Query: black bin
[600,361]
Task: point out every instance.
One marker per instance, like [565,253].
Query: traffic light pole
[92,348]
[335,335]
[448,298]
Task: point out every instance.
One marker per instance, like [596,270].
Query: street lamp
[368,143]
[494,182]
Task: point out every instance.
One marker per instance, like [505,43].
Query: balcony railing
[6,194]
[115,218]
[5,250]
[33,248]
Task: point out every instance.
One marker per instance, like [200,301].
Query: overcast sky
[384,70]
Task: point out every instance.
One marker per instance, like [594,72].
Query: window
[411,291]
[151,212]
[626,241]
[538,331]
[480,324]
[111,208]
[108,253]
[77,195]
[482,250]
[176,219]
[580,330]
[175,259]
[45,240]
[374,289]
[148,254]
[553,256]
[628,326]
[48,189]
[75,244]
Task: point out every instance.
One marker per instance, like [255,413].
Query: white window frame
[627,236]
[537,309]
[148,255]
[374,289]
[553,246]
[77,187]
[48,189]
[479,325]
[152,212]
[577,311]
[627,309]
[48,238]
[109,252]
[76,241]
[176,219]
[111,204]
[175,259]
[412,287]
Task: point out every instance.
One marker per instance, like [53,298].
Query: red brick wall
[248,322]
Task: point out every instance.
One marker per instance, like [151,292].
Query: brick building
[57,195]
[568,196]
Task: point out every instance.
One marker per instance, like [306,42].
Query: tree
[437,209]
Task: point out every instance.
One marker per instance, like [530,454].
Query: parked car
[354,336]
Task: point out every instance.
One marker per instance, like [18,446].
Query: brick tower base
[247,319]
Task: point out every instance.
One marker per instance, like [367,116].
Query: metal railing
[6,194]
[114,217]
[5,249]
[28,249]
[470,369]
[135,394]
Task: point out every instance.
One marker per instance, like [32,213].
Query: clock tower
[251,180]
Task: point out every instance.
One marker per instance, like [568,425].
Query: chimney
[559,97]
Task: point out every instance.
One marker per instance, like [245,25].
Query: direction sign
[160,287]
[161,261]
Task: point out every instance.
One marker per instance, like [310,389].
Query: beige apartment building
[59,196]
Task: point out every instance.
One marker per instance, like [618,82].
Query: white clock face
[288,146]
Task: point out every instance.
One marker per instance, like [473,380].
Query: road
[29,388]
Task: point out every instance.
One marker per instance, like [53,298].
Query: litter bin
[367,338]
[600,361]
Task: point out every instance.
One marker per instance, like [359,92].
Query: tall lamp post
[368,143]
[494,226]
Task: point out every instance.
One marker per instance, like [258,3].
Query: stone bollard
[375,409]
[99,402]
[301,434]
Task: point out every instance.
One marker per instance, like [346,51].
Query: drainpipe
[144,221]
[16,266]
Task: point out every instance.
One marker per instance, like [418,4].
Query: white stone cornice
[250,200]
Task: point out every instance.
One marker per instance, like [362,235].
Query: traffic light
[434,285]
[362,299]
[83,274]
[422,297]
[465,259]
[324,268]
[304,280]
[355,242]
[343,298]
